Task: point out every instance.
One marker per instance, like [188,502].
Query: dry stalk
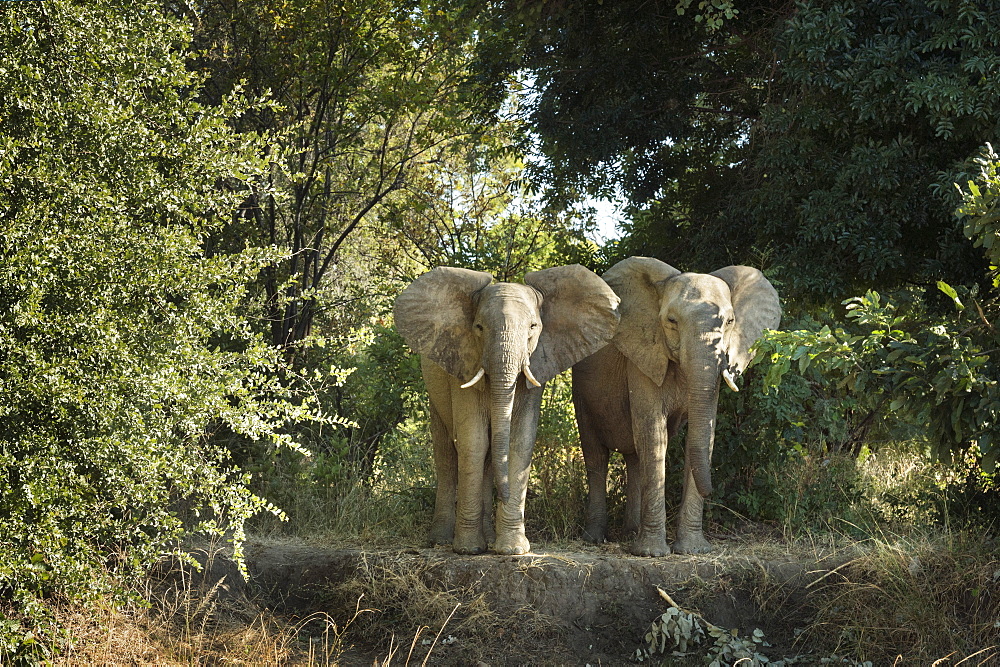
[438,635]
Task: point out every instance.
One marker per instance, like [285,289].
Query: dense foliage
[206,210]
[636,96]
[901,368]
[819,139]
[380,168]
[123,343]
[370,106]
[907,366]
[878,108]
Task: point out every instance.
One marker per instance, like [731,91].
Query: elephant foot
[649,546]
[468,550]
[488,531]
[594,534]
[438,535]
[469,545]
[512,545]
[694,543]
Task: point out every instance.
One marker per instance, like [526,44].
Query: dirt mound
[588,605]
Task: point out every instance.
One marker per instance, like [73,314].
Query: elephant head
[472,328]
[704,323]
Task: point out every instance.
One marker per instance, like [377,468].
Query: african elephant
[487,349]
[679,334]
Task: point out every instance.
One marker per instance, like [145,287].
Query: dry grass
[196,620]
[902,488]
[897,600]
[409,616]
[140,636]
[389,612]
[897,595]
[914,599]
[393,507]
[906,594]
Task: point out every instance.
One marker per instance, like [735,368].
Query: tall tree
[469,207]
[476,209]
[634,94]
[365,93]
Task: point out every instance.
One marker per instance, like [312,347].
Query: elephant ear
[756,307]
[579,317]
[435,313]
[639,281]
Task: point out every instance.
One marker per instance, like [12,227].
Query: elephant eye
[672,320]
[479,326]
[534,325]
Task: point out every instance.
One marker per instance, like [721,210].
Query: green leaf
[989,461]
[950,291]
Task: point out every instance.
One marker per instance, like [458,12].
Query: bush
[371,469]
[785,455]
[557,490]
[123,346]
[913,368]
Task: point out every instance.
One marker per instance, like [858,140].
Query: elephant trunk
[501,408]
[702,405]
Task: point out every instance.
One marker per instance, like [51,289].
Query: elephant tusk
[474,380]
[727,375]
[531,378]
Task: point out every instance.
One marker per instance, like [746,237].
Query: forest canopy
[819,138]
[206,209]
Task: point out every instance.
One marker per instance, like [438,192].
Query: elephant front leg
[488,531]
[690,534]
[649,428]
[472,446]
[524,428]
[469,537]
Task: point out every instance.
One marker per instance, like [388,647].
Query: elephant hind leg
[446,469]
[601,400]
[633,494]
[595,456]
[597,497]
